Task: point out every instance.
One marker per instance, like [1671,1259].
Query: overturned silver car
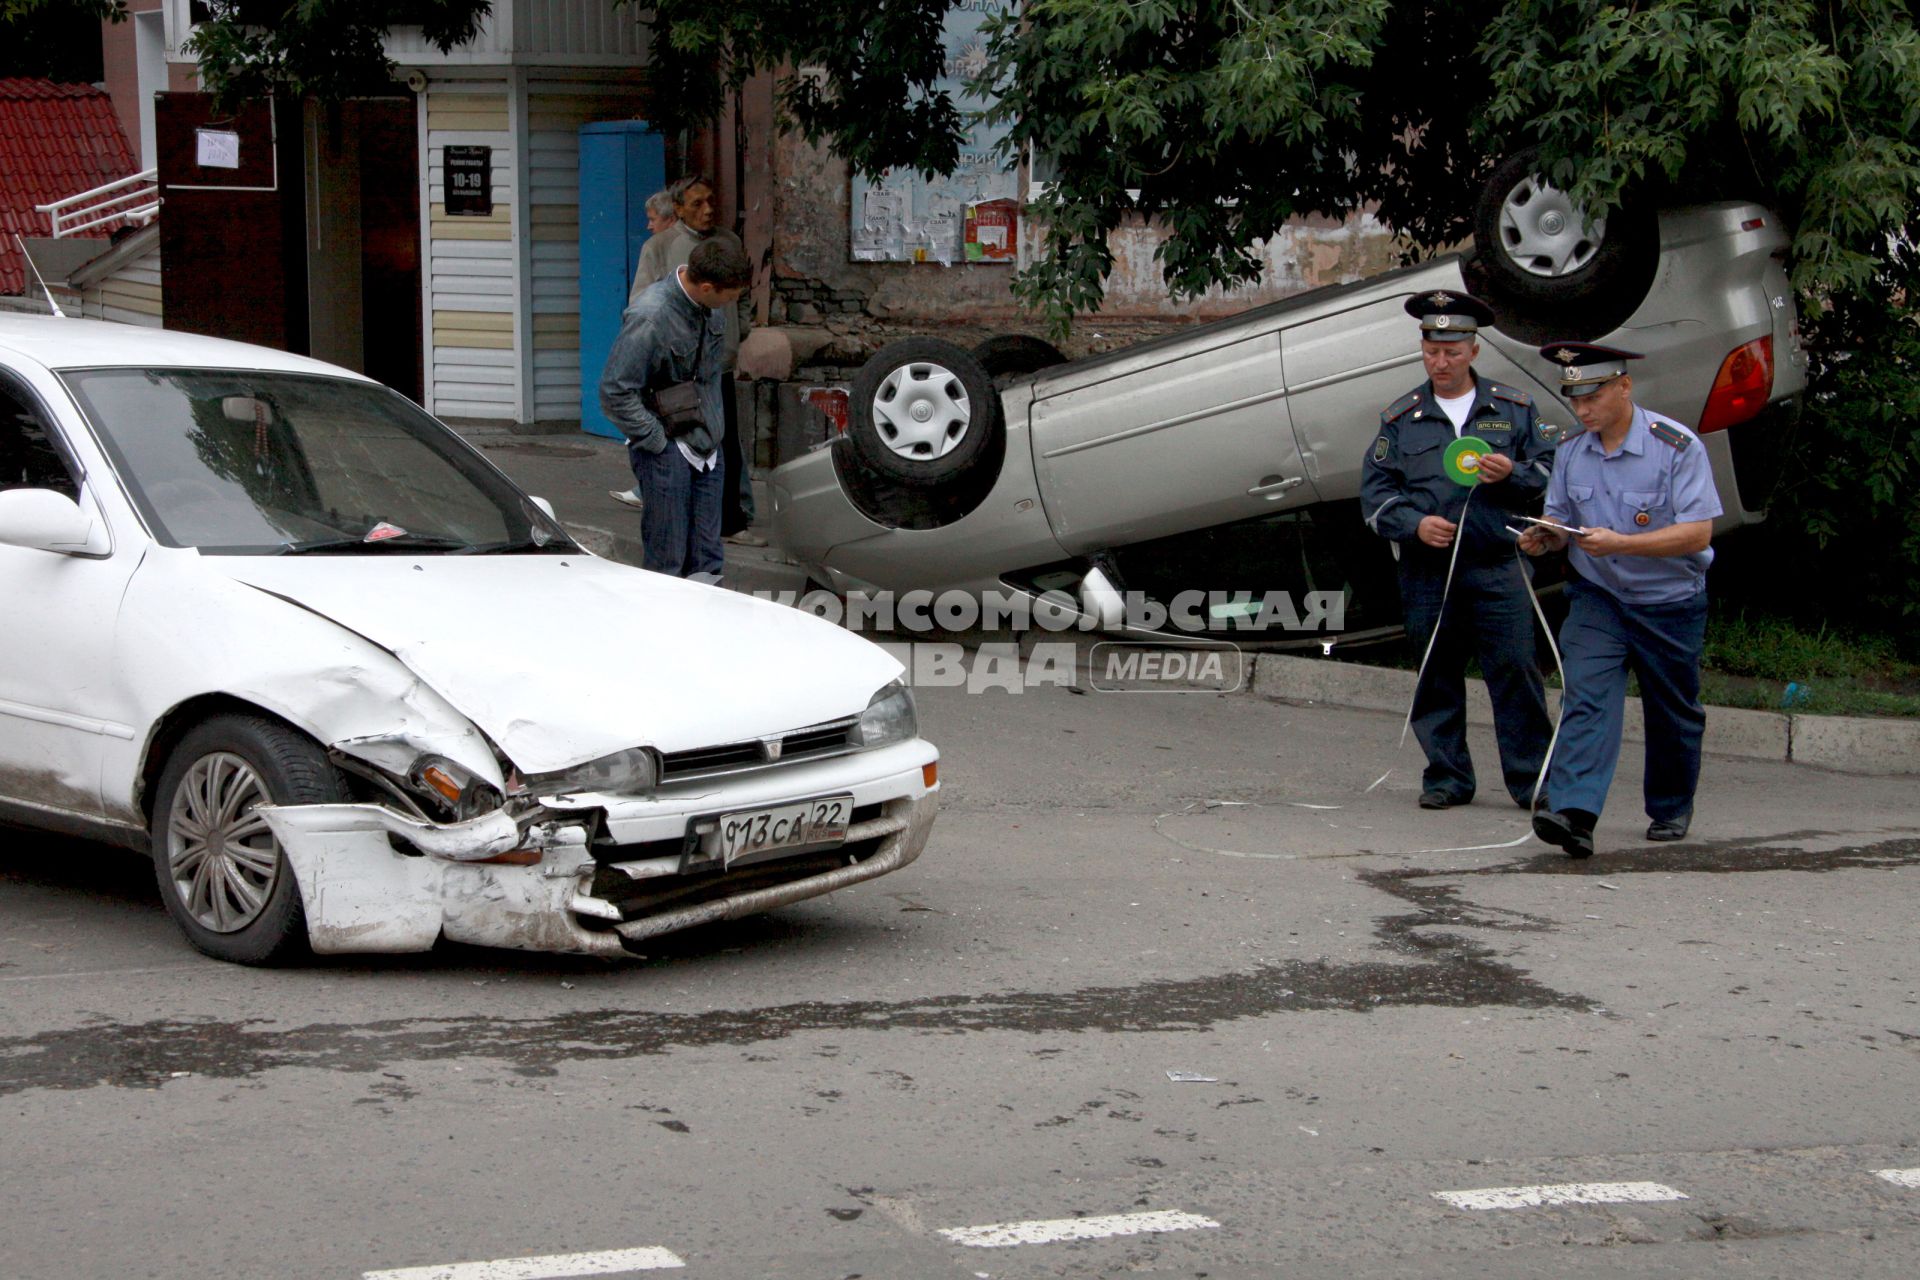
[357,692]
[1223,462]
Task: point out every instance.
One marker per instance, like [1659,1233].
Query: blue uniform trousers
[1488,617]
[1602,639]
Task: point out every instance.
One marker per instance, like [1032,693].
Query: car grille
[815,742]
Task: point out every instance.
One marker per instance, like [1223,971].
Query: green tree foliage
[1811,107]
[329,49]
[1844,534]
[1226,118]
[54,39]
[867,84]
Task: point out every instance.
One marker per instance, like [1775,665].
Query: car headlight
[624,773]
[453,792]
[888,718]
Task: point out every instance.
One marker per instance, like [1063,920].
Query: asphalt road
[1120,887]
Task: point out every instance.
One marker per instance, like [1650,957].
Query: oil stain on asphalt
[1443,969]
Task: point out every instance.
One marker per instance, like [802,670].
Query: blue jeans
[1602,639]
[1488,617]
[680,521]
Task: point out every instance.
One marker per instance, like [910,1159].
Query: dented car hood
[561,659]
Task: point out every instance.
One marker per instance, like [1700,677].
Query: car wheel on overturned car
[1537,251]
[222,875]
[922,412]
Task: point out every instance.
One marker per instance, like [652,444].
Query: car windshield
[238,462]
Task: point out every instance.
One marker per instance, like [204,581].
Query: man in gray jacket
[671,349]
[699,222]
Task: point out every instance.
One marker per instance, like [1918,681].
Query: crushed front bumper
[591,874]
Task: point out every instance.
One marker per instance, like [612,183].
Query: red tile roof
[56,140]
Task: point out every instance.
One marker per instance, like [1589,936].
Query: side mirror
[545,506]
[43,520]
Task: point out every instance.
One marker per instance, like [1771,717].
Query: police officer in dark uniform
[1639,487]
[1408,498]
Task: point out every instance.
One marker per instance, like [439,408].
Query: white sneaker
[746,538]
[628,497]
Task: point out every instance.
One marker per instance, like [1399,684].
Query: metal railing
[134,200]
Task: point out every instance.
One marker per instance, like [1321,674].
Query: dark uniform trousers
[1487,617]
[1602,639]
[1403,479]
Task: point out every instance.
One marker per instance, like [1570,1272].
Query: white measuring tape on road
[1533,597]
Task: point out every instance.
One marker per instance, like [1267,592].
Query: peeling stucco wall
[815,284]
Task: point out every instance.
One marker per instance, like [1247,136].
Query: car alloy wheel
[223,877]
[222,857]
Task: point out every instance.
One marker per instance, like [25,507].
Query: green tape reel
[1462,460]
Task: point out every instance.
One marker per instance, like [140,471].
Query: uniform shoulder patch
[1380,449]
[1401,405]
[1512,394]
[1669,435]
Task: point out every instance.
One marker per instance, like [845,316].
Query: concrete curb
[1853,744]
[1845,744]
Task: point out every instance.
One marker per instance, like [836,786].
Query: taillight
[1741,388]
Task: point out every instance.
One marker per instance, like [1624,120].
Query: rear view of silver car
[1226,459]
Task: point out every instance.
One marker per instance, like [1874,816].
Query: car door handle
[1274,488]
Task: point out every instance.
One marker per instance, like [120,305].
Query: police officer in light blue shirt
[1638,489]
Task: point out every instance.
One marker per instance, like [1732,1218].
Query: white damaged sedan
[355,691]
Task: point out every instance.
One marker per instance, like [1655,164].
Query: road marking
[552,1267]
[1900,1177]
[1559,1193]
[999,1235]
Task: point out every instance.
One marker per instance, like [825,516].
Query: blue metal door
[622,162]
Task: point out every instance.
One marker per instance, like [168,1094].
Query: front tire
[922,413]
[222,875]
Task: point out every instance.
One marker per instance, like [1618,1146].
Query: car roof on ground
[56,342]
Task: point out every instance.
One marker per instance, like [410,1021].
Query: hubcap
[1545,233]
[221,855]
[921,411]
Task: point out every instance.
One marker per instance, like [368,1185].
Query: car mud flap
[902,827]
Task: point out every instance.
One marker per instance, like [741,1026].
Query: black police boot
[1571,830]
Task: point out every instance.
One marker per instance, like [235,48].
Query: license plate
[789,826]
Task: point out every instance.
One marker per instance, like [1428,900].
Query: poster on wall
[906,218]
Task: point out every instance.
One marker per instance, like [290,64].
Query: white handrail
[66,216]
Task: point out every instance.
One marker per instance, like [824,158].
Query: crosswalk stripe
[555,1266]
[1900,1177]
[999,1235]
[1559,1193]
